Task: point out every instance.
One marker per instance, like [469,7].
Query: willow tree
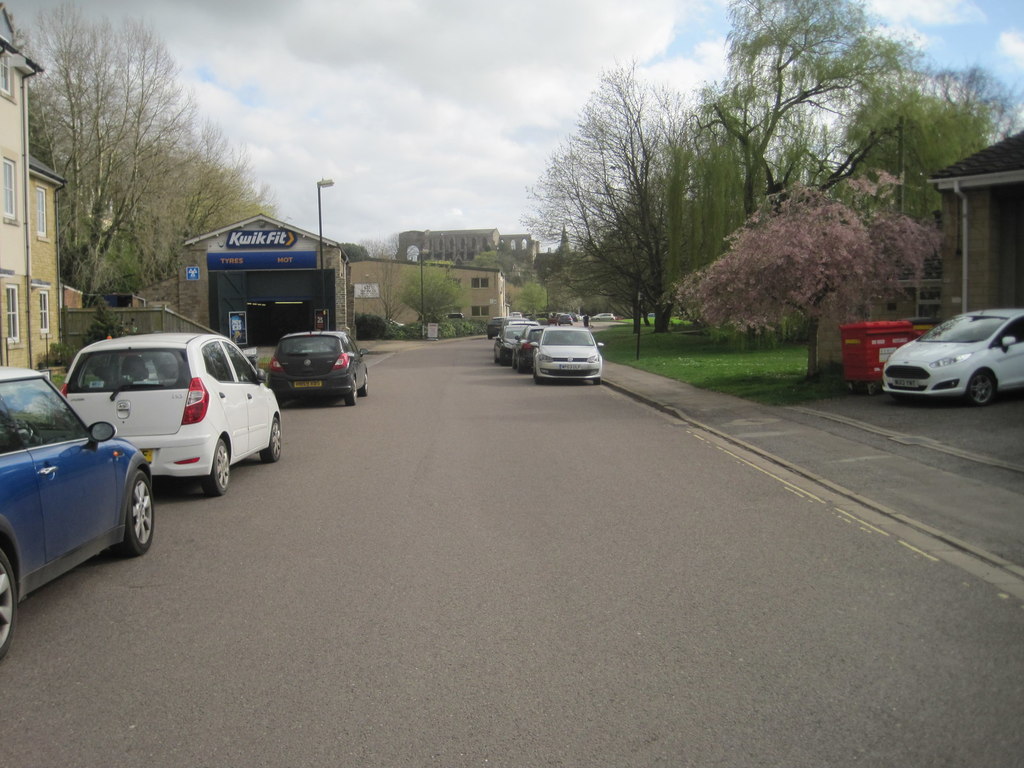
[798,70]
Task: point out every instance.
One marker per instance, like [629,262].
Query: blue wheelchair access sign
[191,273]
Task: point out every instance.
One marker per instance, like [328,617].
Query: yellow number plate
[302,384]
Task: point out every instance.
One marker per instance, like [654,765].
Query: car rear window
[309,345]
[107,370]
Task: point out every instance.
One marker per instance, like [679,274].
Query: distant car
[506,342]
[567,353]
[564,319]
[973,355]
[603,317]
[456,316]
[68,492]
[522,353]
[193,403]
[494,326]
[318,364]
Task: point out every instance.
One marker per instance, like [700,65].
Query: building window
[10,210]
[13,329]
[5,74]
[40,211]
[480,312]
[481,282]
[44,312]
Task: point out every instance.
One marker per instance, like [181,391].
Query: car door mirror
[1007,341]
[101,431]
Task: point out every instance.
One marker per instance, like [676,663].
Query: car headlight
[594,359]
[544,358]
[946,361]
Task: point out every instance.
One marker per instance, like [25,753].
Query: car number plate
[571,366]
[910,383]
[147,454]
[304,384]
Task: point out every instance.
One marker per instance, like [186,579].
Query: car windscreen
[309,345]
[567,339]
[965,329]
[120,369]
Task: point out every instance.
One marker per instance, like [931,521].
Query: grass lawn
[773,376]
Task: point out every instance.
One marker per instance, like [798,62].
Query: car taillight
[64,389]
[341,362]
[275,365]
[197,402]
[527,345]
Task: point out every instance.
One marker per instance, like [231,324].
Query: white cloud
[1011,45]
[927,12]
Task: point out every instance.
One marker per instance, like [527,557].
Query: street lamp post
[320,251]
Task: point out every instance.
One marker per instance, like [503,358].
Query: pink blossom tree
[813,256]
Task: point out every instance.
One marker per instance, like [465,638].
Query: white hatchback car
[973,355]
[567,353]
[192,403]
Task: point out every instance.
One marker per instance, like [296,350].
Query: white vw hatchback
[567,353]
[192,403]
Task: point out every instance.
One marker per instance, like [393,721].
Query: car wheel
[272,452]
[216,483]
[364,390]
[515,362]
[496,360]
[537,379]
[597,381]
[8,603]
[981,388]
[350,398]
[138,517]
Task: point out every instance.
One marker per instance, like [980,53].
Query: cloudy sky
[440,114]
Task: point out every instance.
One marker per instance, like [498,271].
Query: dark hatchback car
[318,364]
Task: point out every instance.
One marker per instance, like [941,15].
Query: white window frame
[44,312]
[5,73]
[41,211]
[10,190]
[13,320]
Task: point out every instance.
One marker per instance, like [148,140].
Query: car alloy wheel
[272,452]
[8,604]
[981,388]
[216,483]
[138,522]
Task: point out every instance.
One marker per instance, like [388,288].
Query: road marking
[861,522]
[921,552]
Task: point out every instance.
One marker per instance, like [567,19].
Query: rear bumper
[327,386]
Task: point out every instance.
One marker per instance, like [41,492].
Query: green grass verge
[775,376]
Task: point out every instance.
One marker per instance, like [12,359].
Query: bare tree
[605,188]
[110,116]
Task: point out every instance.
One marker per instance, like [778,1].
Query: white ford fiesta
[192,403]
[973,355]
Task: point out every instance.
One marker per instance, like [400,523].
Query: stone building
[378,284]
[30,299]
[460,246]
[983,229]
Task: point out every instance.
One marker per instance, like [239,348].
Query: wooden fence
[76,323]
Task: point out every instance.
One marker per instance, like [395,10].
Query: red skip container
[866,347]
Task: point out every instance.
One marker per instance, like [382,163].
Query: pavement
[934,470]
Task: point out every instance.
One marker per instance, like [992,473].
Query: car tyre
[364,390]
[8,603]
[138,517]
[981,388]
[597,381]
[216,483]
[537,379]
[272,452]
[350,398]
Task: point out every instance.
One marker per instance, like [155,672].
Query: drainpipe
[964,220]
[28,69]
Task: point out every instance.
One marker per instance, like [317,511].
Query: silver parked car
[194,404]
[567,353]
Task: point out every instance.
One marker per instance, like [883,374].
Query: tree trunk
[812,348]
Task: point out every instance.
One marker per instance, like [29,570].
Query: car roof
[8,373]
[152,340]
[313,333]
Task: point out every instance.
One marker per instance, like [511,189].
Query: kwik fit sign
[261,238]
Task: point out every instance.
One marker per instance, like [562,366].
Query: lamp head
[325,183]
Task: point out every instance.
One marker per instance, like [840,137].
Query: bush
[371,327]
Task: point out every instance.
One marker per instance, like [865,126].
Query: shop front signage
[261,260]
[260,238]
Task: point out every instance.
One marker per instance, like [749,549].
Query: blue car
[67,491]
